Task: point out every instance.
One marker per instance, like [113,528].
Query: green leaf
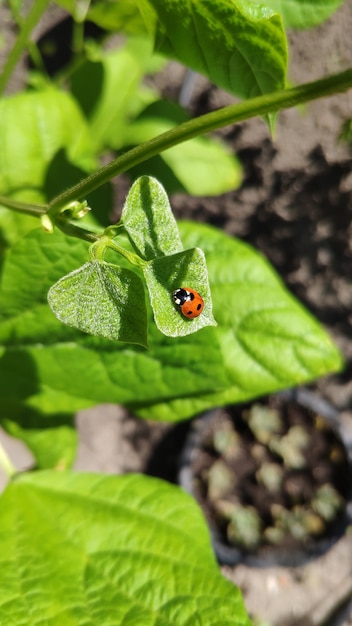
[80,549]
[123,15]
[265,340]
[24,311]
[104,300]
[240,46]
[303,13]
[149,221]
[166,274]
[33,127]
[202,166]
[13,226]
[111,100]
[52,447]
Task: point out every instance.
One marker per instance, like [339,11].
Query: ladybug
[189,301]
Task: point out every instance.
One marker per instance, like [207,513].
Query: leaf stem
[97,251]
[21,42]
[5,463]
[259,106]
[23,207]
[77,231]
[130,256]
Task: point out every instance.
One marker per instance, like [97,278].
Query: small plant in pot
[273,478]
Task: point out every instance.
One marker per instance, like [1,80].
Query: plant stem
[21,42]
[130,256]
[260,105]
[77,231]
[22,207]
[32,47]
[38,210]
[5,463]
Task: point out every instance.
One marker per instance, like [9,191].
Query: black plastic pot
[268,555]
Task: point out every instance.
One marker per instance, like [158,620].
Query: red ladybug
[189,301]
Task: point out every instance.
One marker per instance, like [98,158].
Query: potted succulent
[274,478]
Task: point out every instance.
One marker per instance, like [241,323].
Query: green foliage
[34,126]
[240,34]
[137,115]
[115,77]
[149,222]
[264,340]
[103,300]
[123,15]
[108,301]
[111,550]
[78,549]
[163,276]
[303,13]
[238,45]
[202,166]
[51,447]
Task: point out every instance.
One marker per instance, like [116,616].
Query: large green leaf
[303,13]
[241,46]
[13,226]
[34,126]
[80,549]
[264,341]
[53,443]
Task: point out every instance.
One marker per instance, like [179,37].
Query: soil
[295,206]
[271,457]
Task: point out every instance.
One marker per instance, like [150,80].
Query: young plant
[131,549]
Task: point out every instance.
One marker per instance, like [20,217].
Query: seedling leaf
[166,274]
[149,221]
[104,300]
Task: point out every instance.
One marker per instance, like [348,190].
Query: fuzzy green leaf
[303,13]
[80,549]
[166,274]
[104,300]
[240,46]
[149,221]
